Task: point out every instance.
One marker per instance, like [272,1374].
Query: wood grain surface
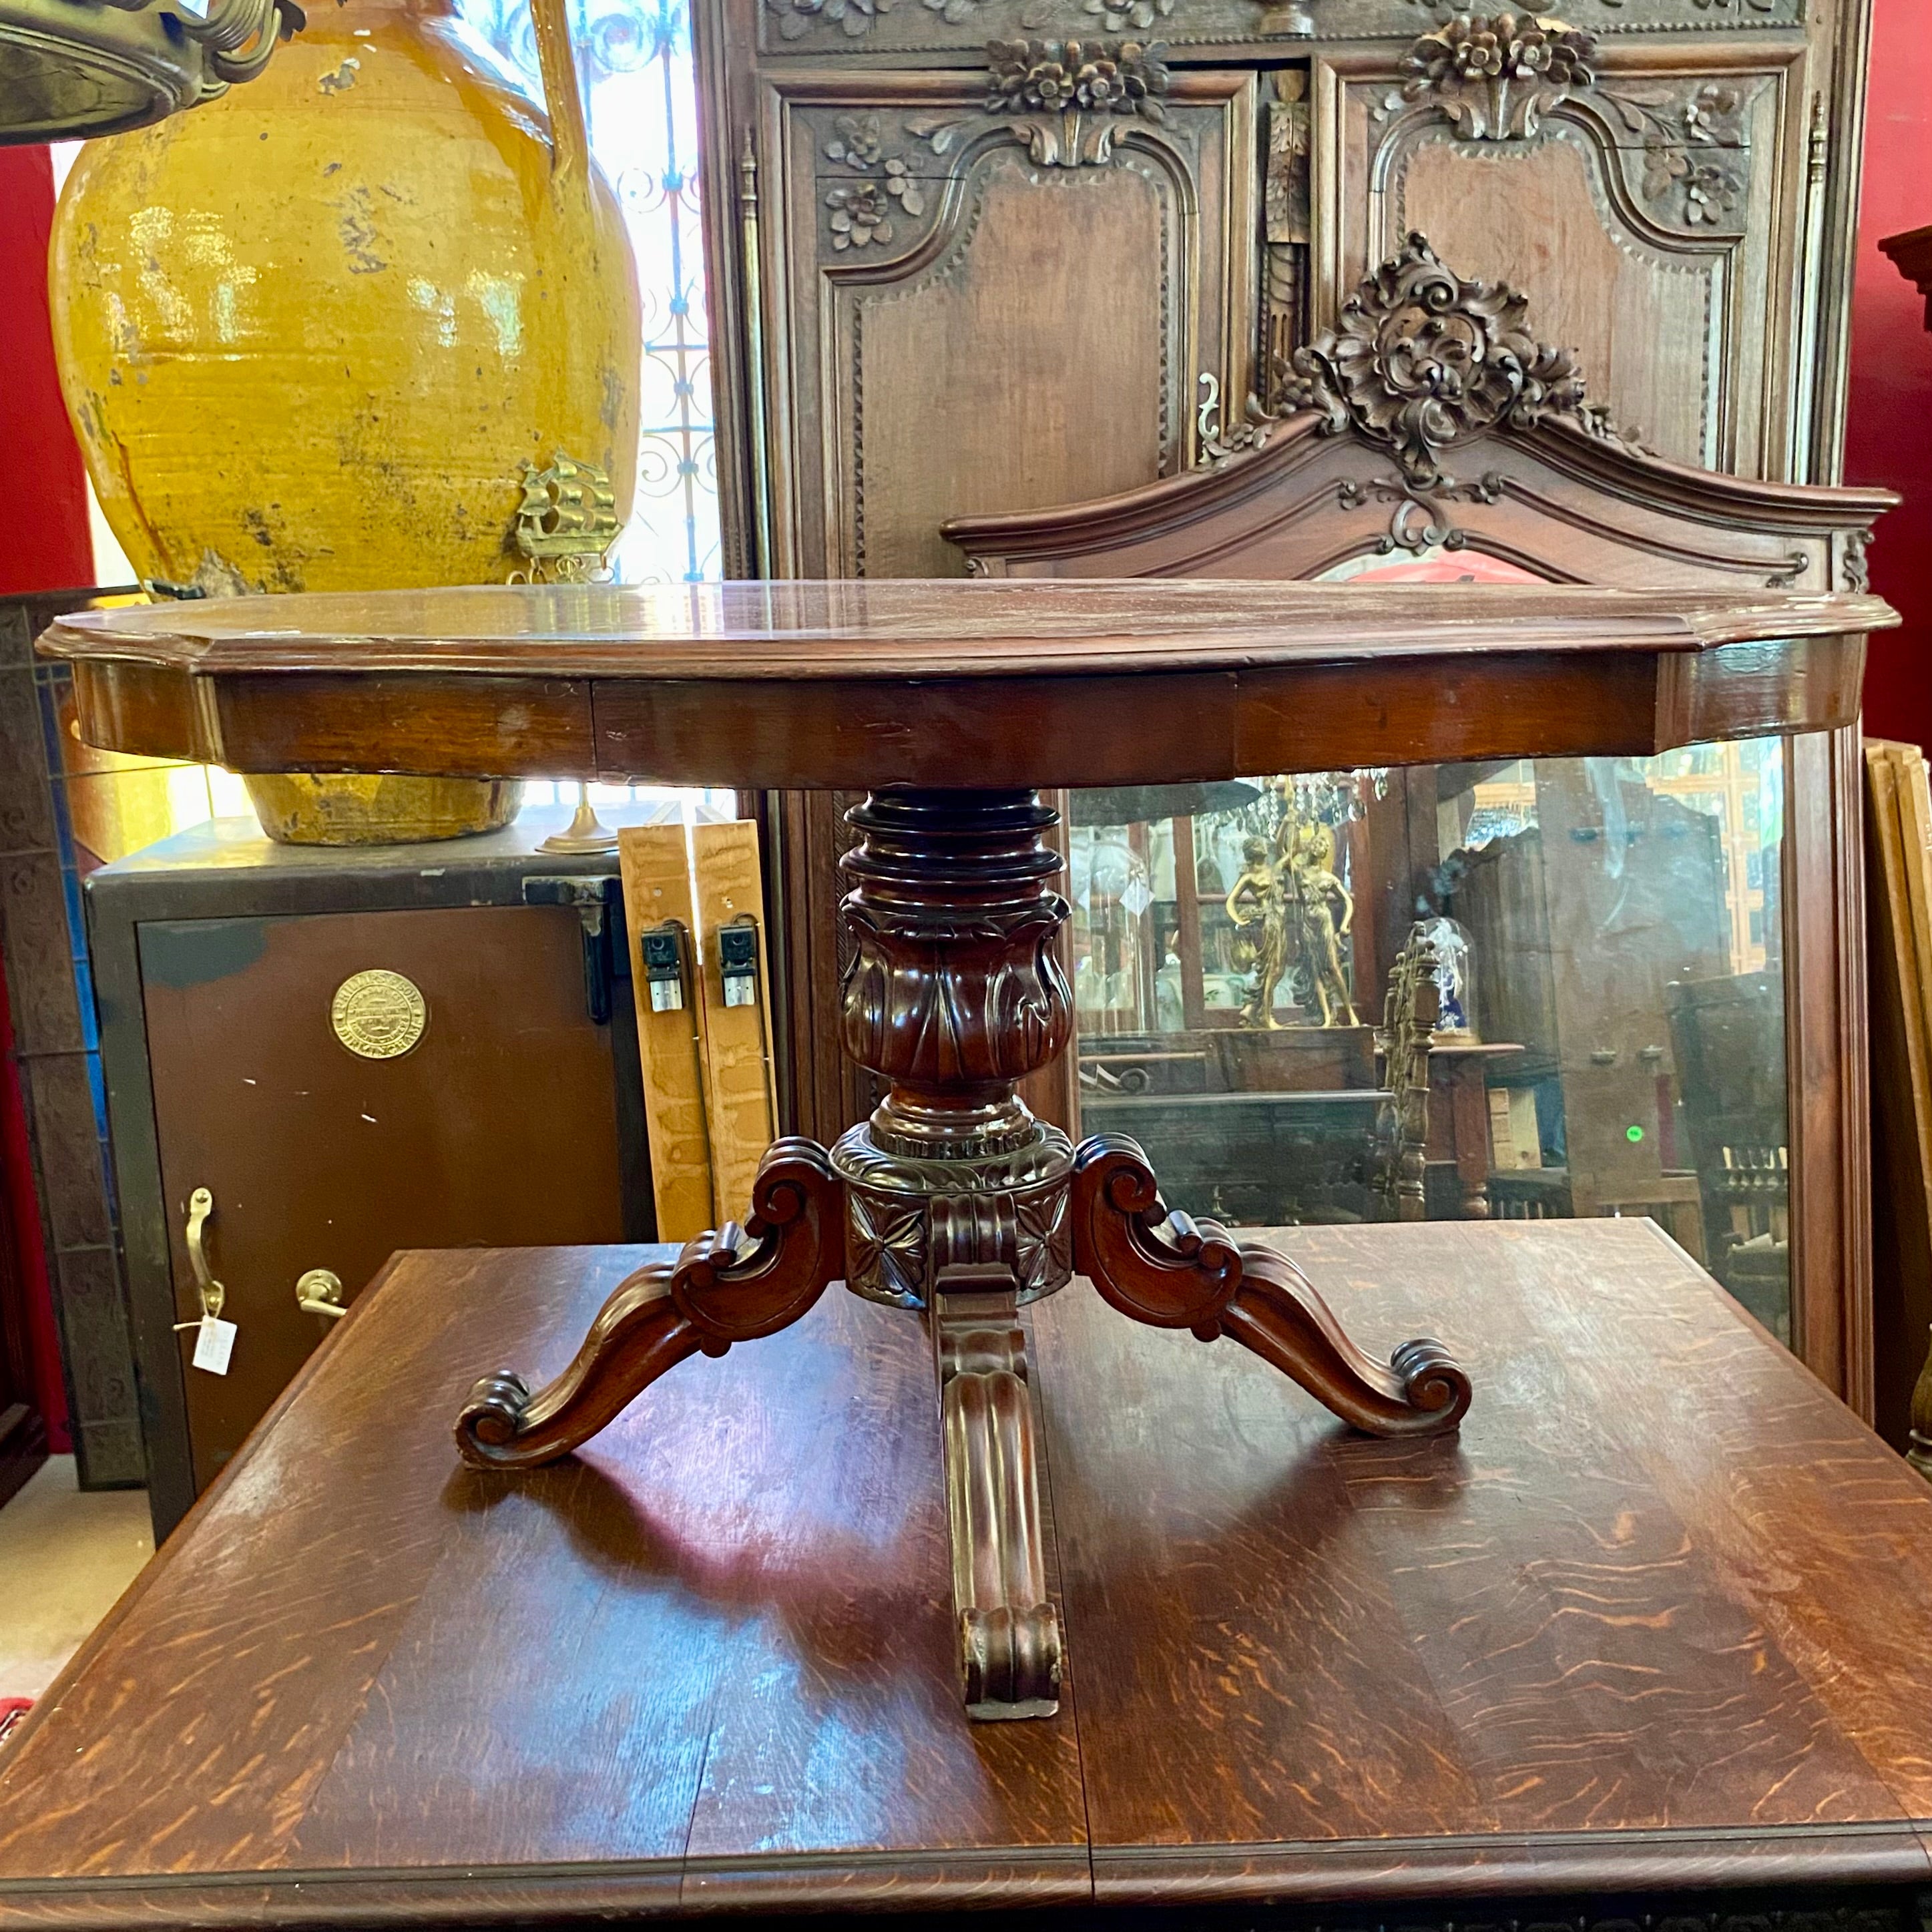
[913,627]
[815,684]
[1660,1617]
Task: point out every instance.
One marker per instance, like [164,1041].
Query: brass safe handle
[200,1206]
[319,1292]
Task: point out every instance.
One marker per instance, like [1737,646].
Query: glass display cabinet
[1591,974]
[1554,986]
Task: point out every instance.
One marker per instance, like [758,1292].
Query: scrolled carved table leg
[1008,1628]
[1172,1272]
[733,1286]
[952,1200]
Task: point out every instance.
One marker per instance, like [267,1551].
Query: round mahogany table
[952,704]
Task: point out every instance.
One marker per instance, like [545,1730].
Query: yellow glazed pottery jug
[310,333]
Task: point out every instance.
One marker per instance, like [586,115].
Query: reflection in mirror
[1520,989]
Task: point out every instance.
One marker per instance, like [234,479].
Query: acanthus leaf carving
[1417,521]
[1071,94]
[1496,75]
[1420,361]
[1287,196]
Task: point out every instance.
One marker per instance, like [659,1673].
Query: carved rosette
[1420,360]
[1496,75]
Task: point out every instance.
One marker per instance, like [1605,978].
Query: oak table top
[877,683]
[1660,1617]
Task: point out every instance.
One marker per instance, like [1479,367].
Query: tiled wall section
[43,940]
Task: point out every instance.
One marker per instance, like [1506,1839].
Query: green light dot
[1632,1135]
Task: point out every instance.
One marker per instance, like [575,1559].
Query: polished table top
[875,683]
[1661,1617]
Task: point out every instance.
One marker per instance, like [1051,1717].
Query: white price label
[214,1345]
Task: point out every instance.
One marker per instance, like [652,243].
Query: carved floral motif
[796,17]
[1126,77]
[1494,75]
[885,1242]
[861,214]
[1071,93]
[1115,15]
[1419,360]
[857,141]
[1691,152]
[861,211]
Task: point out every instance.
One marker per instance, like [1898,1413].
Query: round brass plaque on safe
[378,1014]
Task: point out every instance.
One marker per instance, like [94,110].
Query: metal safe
[315,1056]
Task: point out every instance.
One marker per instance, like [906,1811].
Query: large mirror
[1541,989]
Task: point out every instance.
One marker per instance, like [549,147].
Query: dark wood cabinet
[226,969]
[985,257]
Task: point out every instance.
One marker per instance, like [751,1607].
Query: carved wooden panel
[998,309]
[800,30]
[1646,199]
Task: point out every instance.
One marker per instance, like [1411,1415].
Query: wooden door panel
[1029,391]
[498,1128]
[971,307]
[990,309]
[1645,217]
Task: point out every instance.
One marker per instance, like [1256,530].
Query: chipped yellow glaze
[308,332]
[305,809]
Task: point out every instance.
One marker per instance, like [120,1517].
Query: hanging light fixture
[71,69]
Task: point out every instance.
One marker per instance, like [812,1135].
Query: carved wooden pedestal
[954,1201]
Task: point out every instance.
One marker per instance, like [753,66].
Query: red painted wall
[1889,424]
[49,549]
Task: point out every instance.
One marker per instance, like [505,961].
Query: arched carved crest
[1431,408]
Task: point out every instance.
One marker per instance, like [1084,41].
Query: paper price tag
[214,1345]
